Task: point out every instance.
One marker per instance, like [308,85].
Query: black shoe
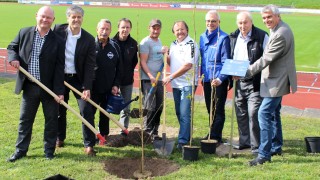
[49,156]
[258,161]
[180,146]
[16,156]
[279,153]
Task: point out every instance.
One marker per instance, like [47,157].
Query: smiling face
[180,31]
[244,24]
[212,22]
[45,18]
[270,20]
[75,20]
[124,30]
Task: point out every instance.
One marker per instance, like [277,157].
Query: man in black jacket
[108,74]
[247,43]
[40,52]
[80,62]
[129,49]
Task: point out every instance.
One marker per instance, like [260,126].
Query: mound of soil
[133,138]
[126,167]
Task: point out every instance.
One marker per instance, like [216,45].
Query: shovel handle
[63,103]
[98,107]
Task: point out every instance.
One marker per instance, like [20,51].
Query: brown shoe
[59,143]
[89,151]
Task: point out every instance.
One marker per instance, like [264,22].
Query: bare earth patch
[125,167]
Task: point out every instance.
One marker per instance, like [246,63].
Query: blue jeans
[126,92]
[270,126]
[182,102]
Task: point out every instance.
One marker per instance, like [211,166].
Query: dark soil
[125,168]
[133,138]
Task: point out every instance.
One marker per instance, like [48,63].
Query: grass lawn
[305,26]
[71,161]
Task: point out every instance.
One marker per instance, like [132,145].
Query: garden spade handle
[101,138]
[98,107]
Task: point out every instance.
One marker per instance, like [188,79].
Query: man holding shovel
[151,56]
[182,57]
[80,62]
[40,52]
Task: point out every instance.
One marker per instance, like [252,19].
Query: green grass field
[304,26]
[70,161]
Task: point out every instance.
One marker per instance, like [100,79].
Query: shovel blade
[163,147]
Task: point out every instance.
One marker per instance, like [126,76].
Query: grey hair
[212,12]
[74,9]
[103,21]
[270,8]
[247,13]
[124,20]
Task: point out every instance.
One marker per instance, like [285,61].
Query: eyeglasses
[211,21]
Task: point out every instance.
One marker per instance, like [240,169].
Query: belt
[70,75]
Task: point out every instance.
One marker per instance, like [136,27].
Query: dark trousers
[85,111]
[31,98]
[154,105]
[101,100]
[218,107]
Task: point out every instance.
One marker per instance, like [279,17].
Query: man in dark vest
[247,44]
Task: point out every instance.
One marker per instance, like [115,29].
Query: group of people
[102,66]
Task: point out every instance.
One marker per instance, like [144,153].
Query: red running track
[302,99]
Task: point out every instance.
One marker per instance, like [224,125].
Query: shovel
[100,108]
[135,112]
[164,146]
[85,122]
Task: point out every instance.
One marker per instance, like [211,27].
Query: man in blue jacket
[214,50]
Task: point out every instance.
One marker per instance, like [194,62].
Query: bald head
[45,18]
[244,22]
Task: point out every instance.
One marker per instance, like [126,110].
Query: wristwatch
[170,77]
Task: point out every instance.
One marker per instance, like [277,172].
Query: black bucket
[312,144]
[190,153]
[208,146]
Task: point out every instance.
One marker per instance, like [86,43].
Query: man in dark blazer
[39,51]
[79,72]
[278,75]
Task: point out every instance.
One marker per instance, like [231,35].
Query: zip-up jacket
[214,50]
[129,49]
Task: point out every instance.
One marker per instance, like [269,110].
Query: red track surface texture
[302,99]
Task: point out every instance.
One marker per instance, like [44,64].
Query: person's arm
[225,54]
[145,68]
[272,53]
[89,67]
[183,69]
[13,52]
